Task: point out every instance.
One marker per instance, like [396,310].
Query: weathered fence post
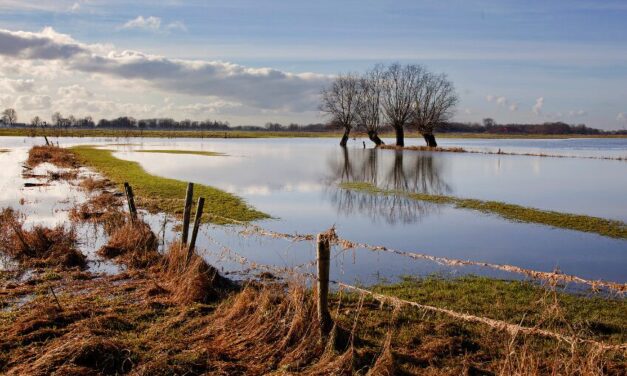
[192,243]
[323,257]
[130,198]
[187,212]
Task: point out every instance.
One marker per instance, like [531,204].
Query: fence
[325,240]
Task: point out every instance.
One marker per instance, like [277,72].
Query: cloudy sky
[255,61]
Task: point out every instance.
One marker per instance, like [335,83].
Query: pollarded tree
[399,87]
[369,110]
[9,116]
[340,102]
[434,104]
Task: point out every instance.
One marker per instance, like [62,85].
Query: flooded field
[296,182]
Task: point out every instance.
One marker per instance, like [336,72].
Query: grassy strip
[516,302]
[188,152]
[601,226]
[264,134]
[162,194]
[4,150]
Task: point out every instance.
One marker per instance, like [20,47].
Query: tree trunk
[400,135]
[344,140]
[374,137]
[430,140]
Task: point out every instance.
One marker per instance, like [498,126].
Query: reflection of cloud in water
[268,189]
[395,170]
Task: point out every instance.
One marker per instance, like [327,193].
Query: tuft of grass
[159,194]
[50,154]
[187,152]
[606,227]
[4,150]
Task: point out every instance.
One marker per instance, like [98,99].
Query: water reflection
[390,170]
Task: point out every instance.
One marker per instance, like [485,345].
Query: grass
[518,213]
[189,152]
[4,150]
[261,134]
[179,316]
[513,301]
[159,194]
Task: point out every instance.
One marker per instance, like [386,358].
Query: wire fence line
[501,325]
[552,277]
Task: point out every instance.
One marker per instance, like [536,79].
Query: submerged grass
[159,194]
[188,152]
[585,223]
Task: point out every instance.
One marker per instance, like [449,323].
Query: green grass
[189,152]
[50,132]
[159,194]
[601,226]
[514,301]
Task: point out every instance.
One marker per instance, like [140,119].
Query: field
[170,312]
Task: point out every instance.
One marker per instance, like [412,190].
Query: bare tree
[400,84]
[9,116]
[36,121]
[369,110]
[57,119]
[340,102]
[434,104]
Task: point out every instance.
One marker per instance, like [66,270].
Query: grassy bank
[514,301]
[158,194]
[187,152]
[263,134]
[601,226]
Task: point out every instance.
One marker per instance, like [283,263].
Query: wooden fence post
[130,198]
[192,243]
[187,212]
[323,257]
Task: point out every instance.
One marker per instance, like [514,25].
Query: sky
[251,62]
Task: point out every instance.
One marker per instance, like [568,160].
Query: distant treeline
[125,122]
[544,128]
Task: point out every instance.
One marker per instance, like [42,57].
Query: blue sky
[515,61]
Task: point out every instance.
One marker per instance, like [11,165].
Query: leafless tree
[36,121]
[434,104]
[9,116]
[57,119]
[400,85]
[340,102]
[369,111]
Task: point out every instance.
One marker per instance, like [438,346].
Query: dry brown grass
[39,246]
[59,157]
[132,244]
[193,280]
[103,209]
[91,184]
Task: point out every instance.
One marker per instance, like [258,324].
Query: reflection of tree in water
[410,172]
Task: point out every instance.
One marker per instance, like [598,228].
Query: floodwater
[296,182]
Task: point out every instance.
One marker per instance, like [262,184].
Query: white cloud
[501,101]
[513,107]
[18,85]
[176,25]
[149,23]
[537,107]
[489,97]
[262,88]
[74,91]
[33,102]
[75,7]
[622,117]
[576,113]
